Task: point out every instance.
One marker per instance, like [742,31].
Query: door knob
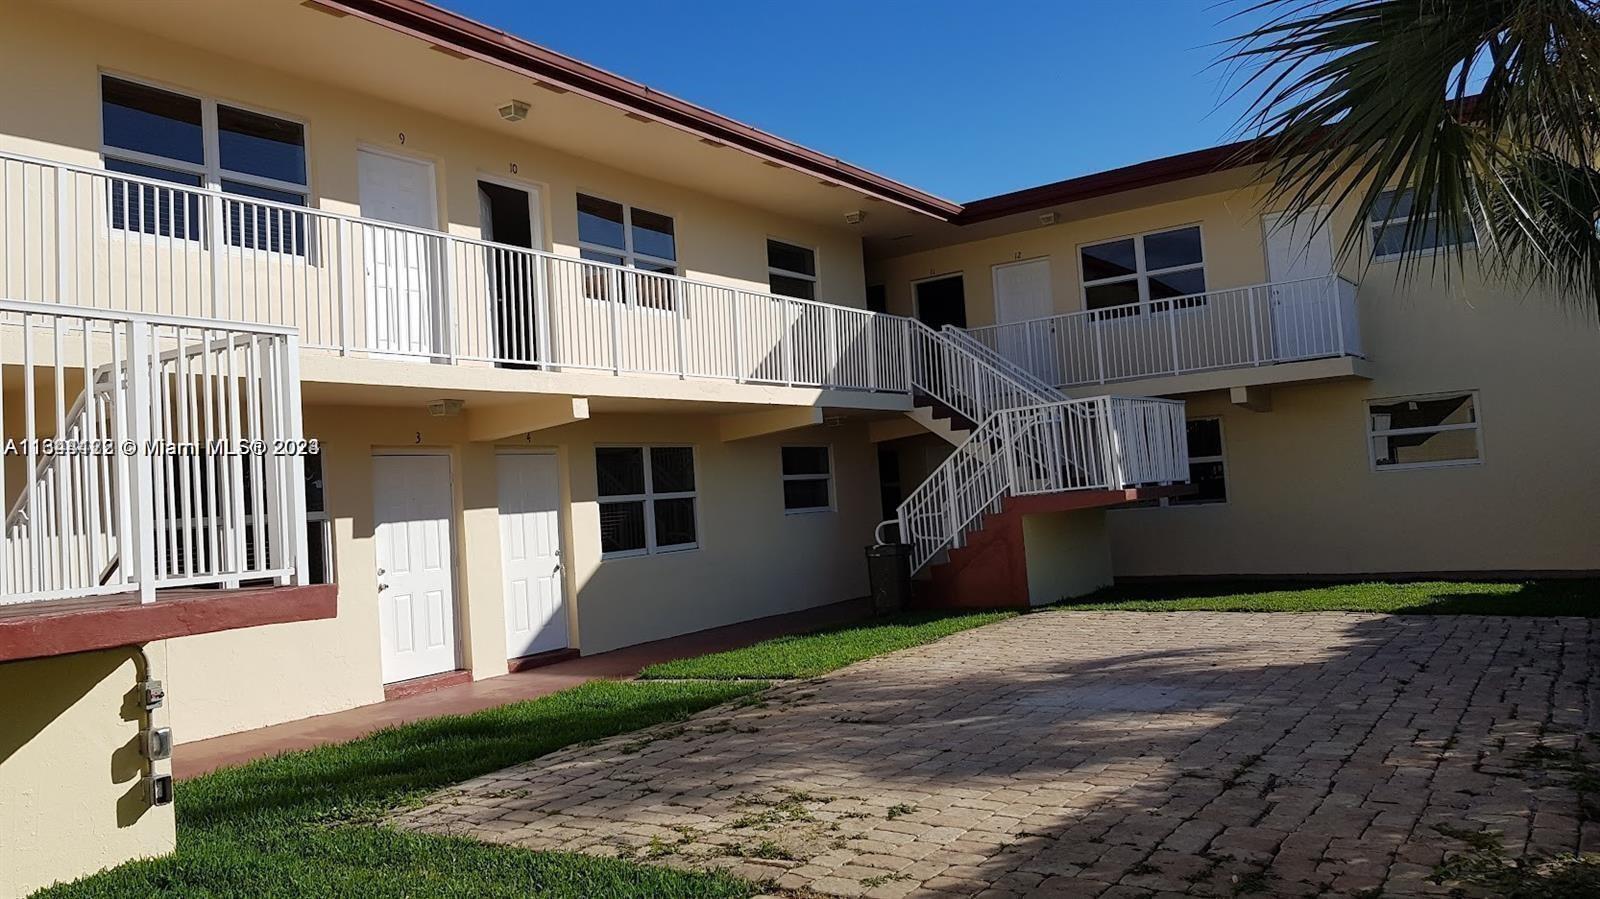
[382,586]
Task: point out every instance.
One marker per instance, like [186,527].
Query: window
[647,499]
[165,136]
[791,270]
[633,238]
[807,479]
[1206,469]
[1147,272]
[319,529]
[1389,219]
[1425,432]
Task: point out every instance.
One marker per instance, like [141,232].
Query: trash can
[889,573]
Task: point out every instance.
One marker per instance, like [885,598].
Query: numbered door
[405,314]
[530,553]
[1022,294]
[411,508]
[1301,295]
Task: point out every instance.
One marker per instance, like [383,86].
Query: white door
[530,554]
[405,318]
[1302,294]
[411,508]
[1022,293]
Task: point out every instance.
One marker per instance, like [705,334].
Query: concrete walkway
[192,759]
[1111,754]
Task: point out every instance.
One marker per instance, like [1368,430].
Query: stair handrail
[1045,392]
[1111,443]
[973,385]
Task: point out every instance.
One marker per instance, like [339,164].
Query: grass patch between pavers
[1578,597]
[304,824]
[808,655]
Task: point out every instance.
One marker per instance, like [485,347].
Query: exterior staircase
[1026,446]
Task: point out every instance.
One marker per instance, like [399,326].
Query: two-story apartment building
[586,365]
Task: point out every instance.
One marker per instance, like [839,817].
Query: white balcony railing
[1259,325]
[359,286]
[157,452]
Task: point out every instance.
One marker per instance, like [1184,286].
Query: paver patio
[1113,754]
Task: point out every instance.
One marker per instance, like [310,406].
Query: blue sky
[926,92]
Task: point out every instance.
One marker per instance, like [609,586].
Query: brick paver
[1112,754]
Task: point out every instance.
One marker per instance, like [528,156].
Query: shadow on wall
[42,692]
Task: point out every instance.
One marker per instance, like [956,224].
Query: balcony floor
[31,630]
[1327,369]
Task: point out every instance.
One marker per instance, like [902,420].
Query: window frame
[1221,458]
[1373,227]
[648,498]
[816,266]
[784,478]
[210,172]
[629,256]
[1141,277]
[1476,426]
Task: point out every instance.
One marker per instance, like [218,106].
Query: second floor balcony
[362,287]
[1287,325]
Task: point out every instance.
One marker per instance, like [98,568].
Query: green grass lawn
[1566,597]
[303,824]
[808,655]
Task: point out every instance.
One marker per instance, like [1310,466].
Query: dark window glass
[151,120]
[1449,410]
[1170,249]
[675,521]
[805,460]
[1101,296]
[672,469]
[622,526]
[1392,214]
[799,288]
[319,568]
[1177,284]
[791,258]
[254,144]
[877,298]
[150,209]
[600,222]
[314,494]
[653,235]
[265,228]
[1210,486]
[811,493]
[1109,260]
[1205,437]
[619,470]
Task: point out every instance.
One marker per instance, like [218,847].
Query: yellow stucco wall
[1069,554]
[72,798]
[753,559]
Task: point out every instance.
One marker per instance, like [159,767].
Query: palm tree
[1486,111]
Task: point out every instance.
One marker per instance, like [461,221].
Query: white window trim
[211,171]
[629,256]
[1141,277]
[833,504]
[1374,227]
[627,252]
[816,264]
[1476,426]
[649,496]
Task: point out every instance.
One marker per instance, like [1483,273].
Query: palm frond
[1485,113]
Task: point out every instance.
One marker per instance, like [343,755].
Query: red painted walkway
[191,759]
